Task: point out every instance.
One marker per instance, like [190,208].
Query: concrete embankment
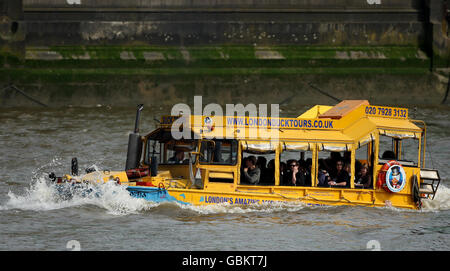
[88,52]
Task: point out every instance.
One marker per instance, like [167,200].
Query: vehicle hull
[248,195]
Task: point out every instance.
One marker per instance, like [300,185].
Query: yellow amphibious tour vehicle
[352,153]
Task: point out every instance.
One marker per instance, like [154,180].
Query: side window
[334,169]
[364,167]
[409,151]
[258,163]
[153,148]
[219,152]
[295,165]
[386,149]
[405,150]
[265,162]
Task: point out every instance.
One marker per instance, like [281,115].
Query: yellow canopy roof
[315,111]
[355,125]
[395,124]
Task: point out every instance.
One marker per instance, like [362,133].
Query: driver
[177,158]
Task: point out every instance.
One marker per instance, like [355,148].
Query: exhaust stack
[134,143]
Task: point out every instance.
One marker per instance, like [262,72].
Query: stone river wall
[121,52]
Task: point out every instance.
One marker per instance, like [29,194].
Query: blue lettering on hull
[153,194]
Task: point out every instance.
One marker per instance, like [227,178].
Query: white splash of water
[118,201]
[441,201]
[44,196]
[39,197]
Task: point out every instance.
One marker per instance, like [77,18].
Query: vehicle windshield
[171,152]
[219,152]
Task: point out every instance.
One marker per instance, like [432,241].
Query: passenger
[261,163]
[243,165]
[305,169]
[364,180]
[271,164]
[308,172]
[330,162]
[282,173]
[302,158]
[252,173]
[336,156]
[357,165]
[294,177]
[287,172]
[348,160]
[348,168]
[269,176]
[323,178]
[302,165]
[388,155]
[177,158]
[244,161]
[347,157]
[340,177]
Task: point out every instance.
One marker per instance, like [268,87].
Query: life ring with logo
[392,177]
